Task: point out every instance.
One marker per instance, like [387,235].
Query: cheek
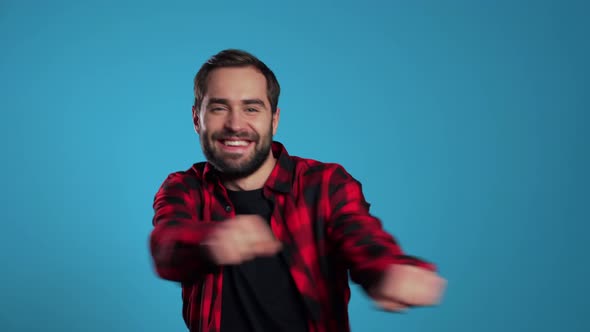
[263,130]
[264,126]
[209,125]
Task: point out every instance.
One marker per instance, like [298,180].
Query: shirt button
[227,208]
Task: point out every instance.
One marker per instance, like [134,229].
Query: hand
[240,239]
[403,286]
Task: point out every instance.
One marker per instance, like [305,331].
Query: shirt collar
[281,177]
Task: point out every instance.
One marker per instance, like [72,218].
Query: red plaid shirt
[320,215]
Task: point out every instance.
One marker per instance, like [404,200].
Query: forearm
[178,234]
[368,249]
[177,250]
[359,237]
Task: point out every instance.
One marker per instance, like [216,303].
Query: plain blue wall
[467,123]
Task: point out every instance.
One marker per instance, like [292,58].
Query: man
[264,241]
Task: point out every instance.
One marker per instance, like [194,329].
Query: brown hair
[236,58]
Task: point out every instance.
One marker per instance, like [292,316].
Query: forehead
[236,83]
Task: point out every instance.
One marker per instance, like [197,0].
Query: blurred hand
[404,286]
[241,239]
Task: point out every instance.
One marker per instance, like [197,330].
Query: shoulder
[188,179]
[311,169]
[330,178]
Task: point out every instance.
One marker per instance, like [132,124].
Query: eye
[251,110]
[217,109]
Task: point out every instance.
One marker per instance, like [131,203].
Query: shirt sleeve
[359,238]
[175,241]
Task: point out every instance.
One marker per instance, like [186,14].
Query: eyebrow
[224,101]
[253,102]
[218,101]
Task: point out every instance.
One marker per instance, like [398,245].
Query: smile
[235,145]
[235,142]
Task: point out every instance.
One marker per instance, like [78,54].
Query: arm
[175,241]
[359,238]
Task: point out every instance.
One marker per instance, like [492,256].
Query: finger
[231,256]
[223,254]
[439,286]
[255,229]
[225,250]
[230,244]
[430,287]
[268,248]
[429,291]
[245,245]
[262,239]
[411,285]
[392,306]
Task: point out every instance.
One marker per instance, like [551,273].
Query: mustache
[227,134]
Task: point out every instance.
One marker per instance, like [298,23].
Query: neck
[255,180]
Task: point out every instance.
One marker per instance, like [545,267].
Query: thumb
[393,306]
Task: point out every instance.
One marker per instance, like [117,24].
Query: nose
[234,121]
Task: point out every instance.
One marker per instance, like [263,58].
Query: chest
[296,219]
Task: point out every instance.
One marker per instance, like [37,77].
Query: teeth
[235,143]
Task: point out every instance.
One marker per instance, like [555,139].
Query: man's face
[235,122]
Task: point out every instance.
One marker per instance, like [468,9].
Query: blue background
[466,121]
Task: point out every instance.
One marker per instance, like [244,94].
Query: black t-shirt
[259,295]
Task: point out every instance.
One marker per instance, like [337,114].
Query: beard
[234,165]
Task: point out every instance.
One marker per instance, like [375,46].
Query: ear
[196,120]
[275,121]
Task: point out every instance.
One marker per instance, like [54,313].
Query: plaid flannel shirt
[320,215]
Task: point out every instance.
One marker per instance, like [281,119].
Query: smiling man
[265,241]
